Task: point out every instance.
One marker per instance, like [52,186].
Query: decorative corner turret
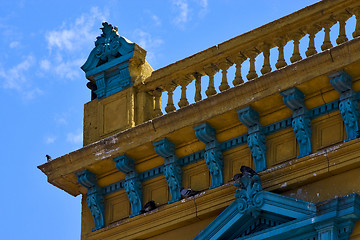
[349,108]
[301,123]
[172,169]
[94,198]
[109,63]
[249,197]
[213,155]
[132,183]
[256,137]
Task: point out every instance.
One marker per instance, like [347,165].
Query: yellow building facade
[296,125]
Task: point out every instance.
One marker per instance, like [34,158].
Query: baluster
[197,87]
[157,110]
[170,107]
[265,48]
[327,42]
[210,70]
[311,49]
[356,12]
[342,22]
[183,83]
[252,55]
[280,42]
[239,59]
[224,66]
[296,40]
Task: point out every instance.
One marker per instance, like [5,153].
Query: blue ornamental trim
[172,169]
[226,145]
[94,198]
[256,138]
[108,63]
[132,183]
[295,100]
[249,197]
[213,154]
[349,108]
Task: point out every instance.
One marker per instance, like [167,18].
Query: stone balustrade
[292,29]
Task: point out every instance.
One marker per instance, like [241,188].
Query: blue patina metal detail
[108,63]
[256,137]
[172,169]
[94,197]
[294,99]
[213,155]
[349,108]
[132,183]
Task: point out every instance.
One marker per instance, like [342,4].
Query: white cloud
[14,44]
[156,20]
[148,42]
[70,44]
[45,64]
[75,138]
[69,69]
[15,77]
[185,10]
[72,36]
[50,140]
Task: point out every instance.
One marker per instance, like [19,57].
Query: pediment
[270,210]
[108,46]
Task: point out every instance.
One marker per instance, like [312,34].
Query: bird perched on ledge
[48,158]
[149,206]
[248,171]
[245,170]
[188,192]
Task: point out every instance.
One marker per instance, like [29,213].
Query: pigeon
[188,192]
[247,171]
[149,206]
[92,86]
[48,158]
[237,177]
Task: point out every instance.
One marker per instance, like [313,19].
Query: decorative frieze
[213,155]
[132,183]
[256,137]
[294,99]
[172,169]
[349,108]
[94,197]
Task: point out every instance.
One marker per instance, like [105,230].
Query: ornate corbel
[294,99]
[132,183]
[213,155]
[256,137]
[249,197]
[349,109]
[94,197]
[172,170]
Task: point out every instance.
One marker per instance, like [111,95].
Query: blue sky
[42,88]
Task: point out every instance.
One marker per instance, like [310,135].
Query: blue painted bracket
[349,108]
[256,137]
[213,154]
[132,183]
[301,123]
[94,198]
[249,197]
[172,169]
